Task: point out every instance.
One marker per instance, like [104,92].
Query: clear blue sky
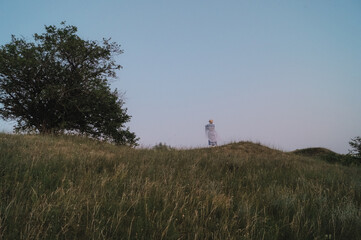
[284,73]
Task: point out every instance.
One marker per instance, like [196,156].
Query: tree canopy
[355,144]
[60,83]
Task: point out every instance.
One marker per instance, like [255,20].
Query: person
[211,133]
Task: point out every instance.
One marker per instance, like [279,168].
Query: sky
[283,73]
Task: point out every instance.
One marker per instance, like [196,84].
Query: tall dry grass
[74,188]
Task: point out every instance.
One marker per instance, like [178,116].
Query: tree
[355,143]
[59,83]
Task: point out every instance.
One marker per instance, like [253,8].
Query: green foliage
[59,83]
[76,188]
[162,147]
[355,143]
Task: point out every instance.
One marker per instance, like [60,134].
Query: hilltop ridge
[248,147]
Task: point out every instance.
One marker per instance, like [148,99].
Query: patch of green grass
[329,156]
[75,188]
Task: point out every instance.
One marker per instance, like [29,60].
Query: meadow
[75,188]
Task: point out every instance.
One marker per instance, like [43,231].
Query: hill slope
[75,188]
[328,156]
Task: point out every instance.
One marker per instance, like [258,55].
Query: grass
[76,188]
[329,156]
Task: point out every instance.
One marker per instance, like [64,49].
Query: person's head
[210,121]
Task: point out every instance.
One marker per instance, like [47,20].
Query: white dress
[211,132]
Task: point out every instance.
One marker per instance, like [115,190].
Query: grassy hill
[328,155]
[76,188]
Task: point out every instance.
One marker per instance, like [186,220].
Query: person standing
[211,133]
